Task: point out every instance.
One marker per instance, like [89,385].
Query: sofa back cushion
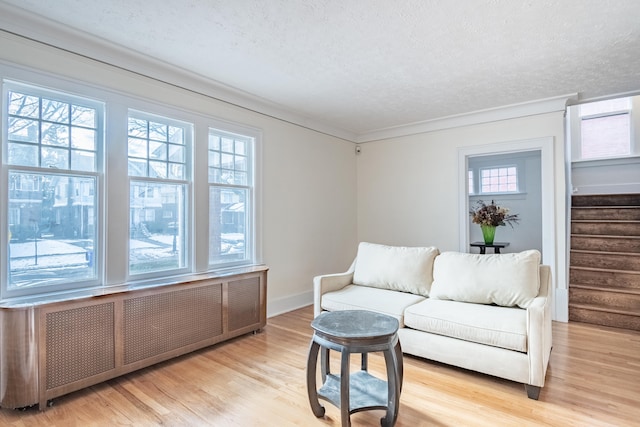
[399,268]
[503,279]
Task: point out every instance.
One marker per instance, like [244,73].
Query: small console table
[483,246]
[355,331]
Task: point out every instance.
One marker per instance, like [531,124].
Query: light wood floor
[259,380]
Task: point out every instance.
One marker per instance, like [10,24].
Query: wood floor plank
[259,380]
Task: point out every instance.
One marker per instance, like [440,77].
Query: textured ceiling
[367,65]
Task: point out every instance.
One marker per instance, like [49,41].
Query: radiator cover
[51,349]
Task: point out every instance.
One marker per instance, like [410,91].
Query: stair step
[606,200]
[615,289]
[605,317]
[605,243]
[604,278]
[612,299]
[604,270]
[629,213]
[605,260]
[609,228]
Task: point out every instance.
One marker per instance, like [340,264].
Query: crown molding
[541,106]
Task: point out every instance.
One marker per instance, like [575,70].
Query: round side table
[355,331]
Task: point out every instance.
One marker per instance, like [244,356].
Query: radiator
[51,349]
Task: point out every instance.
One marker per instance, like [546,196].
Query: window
[230,189]
[159,182]
[53,141]
[89,175]
[470,182]
[605,129]
[499,180]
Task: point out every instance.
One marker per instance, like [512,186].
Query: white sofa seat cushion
[399,268]
[355,297]
[504,327]
[503,279]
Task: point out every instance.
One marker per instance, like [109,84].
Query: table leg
[364,365]
[483,250]
[344,389]
[496,250]
[398,350]
[325,367]
[312,391]
[393,386]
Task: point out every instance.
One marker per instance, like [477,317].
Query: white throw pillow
[503,279]
[397,268]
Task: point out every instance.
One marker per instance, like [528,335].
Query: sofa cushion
[354,297]
[504,327]
[397,268]
[503,279]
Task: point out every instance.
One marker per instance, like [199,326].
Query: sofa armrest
[329,283]
[539,330]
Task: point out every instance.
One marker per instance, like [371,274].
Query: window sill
[605,162]
[32,300]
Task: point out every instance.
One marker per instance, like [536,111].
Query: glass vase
[488,233]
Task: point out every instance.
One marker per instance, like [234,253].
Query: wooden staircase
[604,269]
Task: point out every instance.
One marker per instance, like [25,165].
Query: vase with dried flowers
[489,216]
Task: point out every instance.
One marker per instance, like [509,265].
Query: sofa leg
[532,391]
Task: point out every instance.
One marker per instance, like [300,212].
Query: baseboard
[292,302]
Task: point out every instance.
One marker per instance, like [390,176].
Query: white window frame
[252,138]
[36,88]
[498,169]
[186,183]
[575,126]
[112,206]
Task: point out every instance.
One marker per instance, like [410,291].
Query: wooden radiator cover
[51,349]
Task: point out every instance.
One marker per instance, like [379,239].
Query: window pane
[54,158]
[55,111]
[23,130]
[176,171]
[55,134]
[49,128]
[165,160]
[157,169]
[240,178]
[83,160]
[241,163]
[227,145]
[227,225]
[83,138]
[23,155]
[157,150]
[499,180]
[157,227]
[137,167]
[176,135]
[137,148]
[53,235]
[606,136]
[24,105]
[176,153]
[83,116]
[157,131]
[137,128]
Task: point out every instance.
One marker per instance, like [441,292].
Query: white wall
[408,186]
[308,200]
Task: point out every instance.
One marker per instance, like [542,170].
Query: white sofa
[487,313]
